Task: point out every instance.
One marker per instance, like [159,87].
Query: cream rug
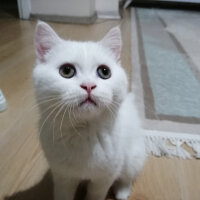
[166,79]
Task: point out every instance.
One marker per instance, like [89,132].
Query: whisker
[73,112]
[48,100]
[71,117]
[61,123]
[55,107]
[22,117]
[78,133]
[59,111]
[43,102]
[112,114]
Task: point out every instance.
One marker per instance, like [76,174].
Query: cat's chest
[91,144]
[93,154]
[81,146]
[86,151]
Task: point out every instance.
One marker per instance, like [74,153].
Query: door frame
[24,8]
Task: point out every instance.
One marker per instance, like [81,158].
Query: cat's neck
[104,119]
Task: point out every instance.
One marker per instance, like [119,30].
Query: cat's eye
[67,70]
[104,72]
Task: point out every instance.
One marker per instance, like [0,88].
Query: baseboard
[66,19]
[108,15]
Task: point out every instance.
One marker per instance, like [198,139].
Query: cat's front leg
[64,186]
[122,188]
[98,189]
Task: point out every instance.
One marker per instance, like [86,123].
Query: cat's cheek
[120,90]
[103,96]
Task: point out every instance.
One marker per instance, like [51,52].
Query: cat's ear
[45,39]
[112,40]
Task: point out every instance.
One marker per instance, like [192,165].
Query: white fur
[103,143]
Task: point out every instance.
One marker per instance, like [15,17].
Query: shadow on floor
[44,191]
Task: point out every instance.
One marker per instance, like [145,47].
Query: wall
[107,8]
[77,8]
[69,8]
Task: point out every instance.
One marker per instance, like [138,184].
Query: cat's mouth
[88,100]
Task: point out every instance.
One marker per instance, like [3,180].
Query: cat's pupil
[105,71]
[67,70]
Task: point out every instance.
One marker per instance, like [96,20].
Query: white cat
[89,126]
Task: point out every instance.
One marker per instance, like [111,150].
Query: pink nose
[88,87]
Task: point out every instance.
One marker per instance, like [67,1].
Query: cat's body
[89,127]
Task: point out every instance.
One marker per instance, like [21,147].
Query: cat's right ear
[45,39]
[112,40]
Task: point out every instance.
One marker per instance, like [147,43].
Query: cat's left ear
[45,39]
[112,40]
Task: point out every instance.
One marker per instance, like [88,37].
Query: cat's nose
[88,87]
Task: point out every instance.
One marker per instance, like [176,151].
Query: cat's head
[86,77]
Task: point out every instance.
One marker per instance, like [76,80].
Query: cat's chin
[88,110]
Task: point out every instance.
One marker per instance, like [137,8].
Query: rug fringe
[172,146]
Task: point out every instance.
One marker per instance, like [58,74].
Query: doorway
[9,9]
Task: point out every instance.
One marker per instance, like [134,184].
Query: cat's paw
[122,189]
[121,199]
[122,193]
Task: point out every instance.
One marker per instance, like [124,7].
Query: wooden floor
[24,172]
